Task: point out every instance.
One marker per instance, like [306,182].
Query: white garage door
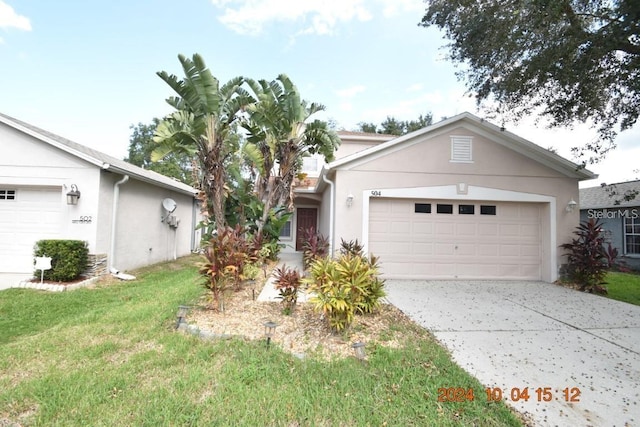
[26,216]
[456,239]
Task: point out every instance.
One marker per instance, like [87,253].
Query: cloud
[394,7]
[350,92]
[10,19]
[315,16]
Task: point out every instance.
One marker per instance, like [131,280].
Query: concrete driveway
[529,334]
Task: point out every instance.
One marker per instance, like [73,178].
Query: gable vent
[461,149]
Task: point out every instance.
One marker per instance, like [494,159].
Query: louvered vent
[461,149]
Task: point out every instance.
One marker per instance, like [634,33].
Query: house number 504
[376,193]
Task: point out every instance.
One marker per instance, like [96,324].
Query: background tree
[141,145]
[367,127]
[393,126]
[573,60]
[202,125]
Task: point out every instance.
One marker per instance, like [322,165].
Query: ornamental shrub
[287,283]
[344,287]
[587,257]
[314,245]
[224,258]
[69,258]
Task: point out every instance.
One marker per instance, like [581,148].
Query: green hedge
[69,258]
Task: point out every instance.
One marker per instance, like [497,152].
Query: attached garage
[27,214]
[454,239]
[460,199]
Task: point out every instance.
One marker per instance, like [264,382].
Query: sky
[86,70]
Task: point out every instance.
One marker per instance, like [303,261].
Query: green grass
[110,357]
[624,287]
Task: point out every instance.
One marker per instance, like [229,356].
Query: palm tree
[202,125]
[279,127]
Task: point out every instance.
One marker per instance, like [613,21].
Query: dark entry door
[306,218]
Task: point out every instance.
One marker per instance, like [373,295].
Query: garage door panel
[423,228]
[530,251]
[445,229]
[35,214]
[487,229]
[509,230]
[491,250]
[422,248]
[444,249]
[431,245]
[400,207]
[400,227]
[466,249]
[466,230]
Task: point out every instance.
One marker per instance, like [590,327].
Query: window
[311,165]
[632,235]
[445,209]
[461,149]
[7,194]
[285,233]
[466,209]
[422,208]
[487,210]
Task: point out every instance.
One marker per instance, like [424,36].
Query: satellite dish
[169,205]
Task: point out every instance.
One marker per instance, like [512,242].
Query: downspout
[331,212]
[114,216]
[194,207]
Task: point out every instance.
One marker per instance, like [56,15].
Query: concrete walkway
[291,260]
[13,280]
[513,335]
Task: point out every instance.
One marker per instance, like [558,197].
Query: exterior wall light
[269,329]
[571,205]
[350,198]
[73,195]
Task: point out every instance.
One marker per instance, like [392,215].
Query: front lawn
[624,287]
[110,357]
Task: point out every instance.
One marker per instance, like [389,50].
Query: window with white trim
[285,232]
[7,194]
[632,235]
[461,149]
[311,165]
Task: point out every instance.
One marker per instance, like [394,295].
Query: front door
[306,218]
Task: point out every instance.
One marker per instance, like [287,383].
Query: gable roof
[600,197]
[97,158]
[364,136]
[482,127]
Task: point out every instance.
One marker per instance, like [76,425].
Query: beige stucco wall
[141,237]
[27,162]
[426,163]
[347,148]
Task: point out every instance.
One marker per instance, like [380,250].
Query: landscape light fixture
[182,313]
[571,205]
[73,195]
[358,349]
[269,329]
[350,198]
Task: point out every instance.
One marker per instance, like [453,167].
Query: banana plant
[202,125]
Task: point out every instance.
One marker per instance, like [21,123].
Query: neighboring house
[461,199]
[620,222]
[119,213]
